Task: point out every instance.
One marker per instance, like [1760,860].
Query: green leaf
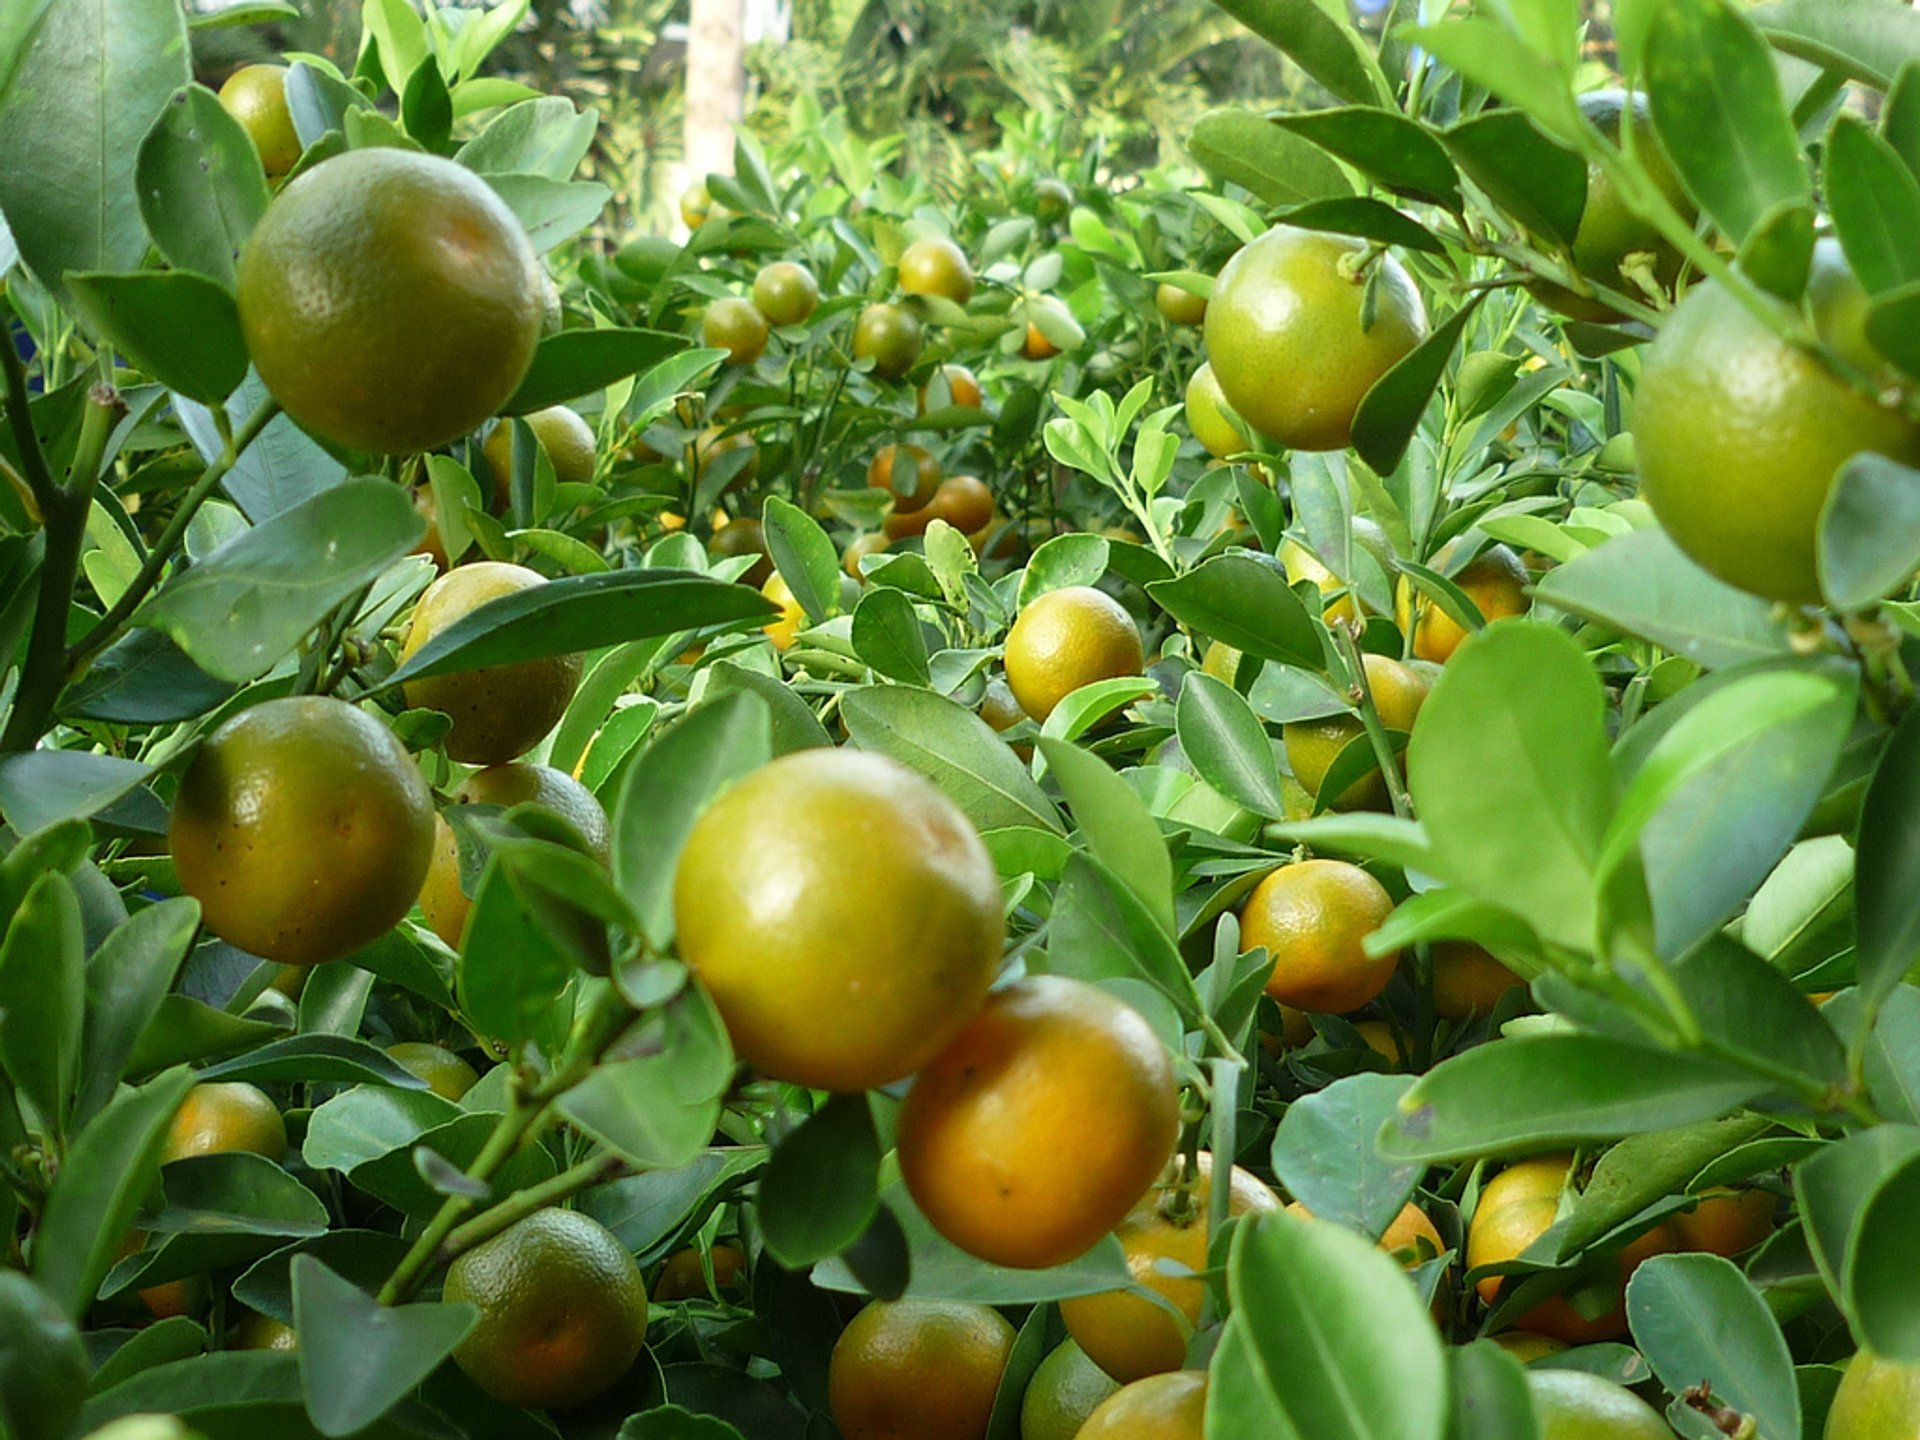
[93,78]
[1245,604]
[547,136]
[401,35]
[1248,150]
[279,470]
[795,726]
[1537,1092]
[671,1422]
[804,556]
[1526,833]
[426,109]
[887,635]
[244,608]
[1833,1189]
[1869,540]
[366,1257]
[43,997]
[126,978]
[200,185]
[1643,1169]
[182,329]
[553,212]
[315,1058]
[1724,792]
[1641,585]
[1876,206]
[1118,828]
[415,1183]
[45,787]
[1880,1298]
[162,1343]
[665,791]
[955,749]
[1102,931]
[320,103]
[659,1112]
[1390,412]
[1385,146]
[1490,55]
[1329,51]
[579,362]
[1865,40]
[109,1170]
[1720,116]
[359,1359]
[577,613]
[43,1365]
[1696,1318]
[1229,747]
[236,1192]
[1887,873]
[821,1187]
[143,678]
[1491,1398]
[1334,1341]
[1324,1153]
[369,1121]
[1062,562]
[1366,217]
[512,966]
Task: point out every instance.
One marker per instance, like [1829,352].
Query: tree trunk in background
[716,83]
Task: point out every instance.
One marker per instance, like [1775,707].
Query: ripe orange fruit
[430,544]
[303,828]
[568,440]
[1312,916]
[1300,563]
[963,501]
[390,300]
[499,712]
[219,1118]
[823,983]
[744,536]
[1064,1391]
[444,1072]
[1577,1405]
[998,707]
[1609,231]
[256,96]
[785,627]
[1739,435]
[684,1276]
[858,548]
[1313,745]
[889,335]
[995,1139]
[262,1332]
[1068,638]
[443,904]
[909,473]
[963,389]
[563,1310]
[1160,1407]
[1178,306]
[918,1370]
[1285,339]
[1467,981]
[1515,1209]
[1494,580]
[786,293]
[1128,1335]
[1878,1399]
[737,327]
[1726,1222]
[937,266]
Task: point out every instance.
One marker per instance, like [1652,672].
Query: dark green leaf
[1538,1091]
[1870,528]
[245,607]
[579,362]
[125,981]
[426,109]
[369,1121]
[315,1058]
[1720,116]
[235,1193]
[1696,1318]
[1835,1186]
[887,635]
[143,678]
[1385,146]
[403,1178]
[365,1257]
[512,966]
[279,470]
[1116,824]
[43,997]
[162,1343]
[43,1366]
[1491,1398]
[1330,52]
[1250,151]
[1880,1296]
[805,558]
[577,613]
[358,1359]
[320,102]
[1390,412]
[1876,206]
[659,1112]
[671,1422]
[955,749]
[1324,1153]
[200,185]
[1887,873]
[1228,746]
[1246,604]
[821,1187]
[1541,184]
[88,86]
[1368,218]
[45,787]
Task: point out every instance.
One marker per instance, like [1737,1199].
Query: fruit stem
[107,629]
[594,1170]
[64,510]
[1376,731]
[33,460]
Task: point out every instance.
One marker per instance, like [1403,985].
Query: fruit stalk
[594,1170]
[1376,731]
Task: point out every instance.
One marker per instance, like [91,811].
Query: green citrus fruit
[1178,306]
[786,293]
[937,266]
[391,301]
[1052,199]
[563,1310]
[569,441]
[767,919]
[889,335]
[1160,1407]
[737,327]
[1877,1400]
[1064,1391]
[1285,339]
[256,96]
[1574,1405]
[444,1072]
[1739,434]
[303,828]
[1206,415]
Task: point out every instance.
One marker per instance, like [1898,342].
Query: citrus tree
[727,839]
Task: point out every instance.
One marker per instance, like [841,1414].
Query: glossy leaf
[1696,1318]
[1103,931]
[1248,150]
[126,979]
[246,606]
[1718,111]
[359,1359]
[1835,1186]
[1491,1398]
[143,678]
[1863,39]
[512,964]
[1643,1169]
[579,362]
[1869,539]
[43,997]
[821,1187]
[1879,1295]
[548,136]
[369,1121]
[1324,1153]
[659,1111]
[1385,146]
[887,635]
[1116,825]
[1876,206]
[1227,745]
[1390,412]
[200,185]
[1319,44]
[1539,1091]
[1063,561]
[43,1366]
[805,558]
[1245,604]
[955,749]
[44,787]
[1887,877]
[315,1057]
[282,468]
[235,1193]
